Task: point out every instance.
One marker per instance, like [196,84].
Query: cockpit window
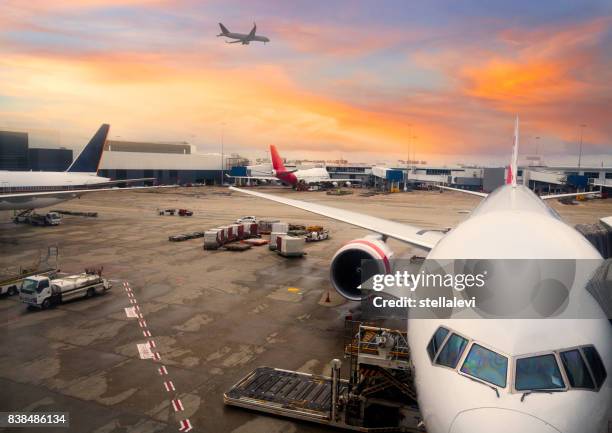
[538,372]
[576,370]
[452,351]
[597,366]
[436,342]
[486,365]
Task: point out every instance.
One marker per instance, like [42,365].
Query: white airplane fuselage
[513,223]
[245,39]
[312,175]
[30,181]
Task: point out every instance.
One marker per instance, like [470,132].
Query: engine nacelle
[346,273]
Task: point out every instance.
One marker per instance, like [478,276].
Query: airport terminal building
[169,163]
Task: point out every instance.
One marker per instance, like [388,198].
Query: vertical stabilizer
[513,169]
[224,30]
[277,161]
[88,160]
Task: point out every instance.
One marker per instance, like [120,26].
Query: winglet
[277,161]
[513,169]
[88,160]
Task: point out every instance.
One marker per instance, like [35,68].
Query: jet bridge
[378,396]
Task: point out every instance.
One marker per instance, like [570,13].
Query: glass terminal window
[597,366]
[576,369]
[452,351]
[537,373]
[486,365]
[436,341]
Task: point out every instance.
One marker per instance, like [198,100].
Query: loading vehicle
[42,291]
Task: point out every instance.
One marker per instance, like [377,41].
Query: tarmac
[214,316]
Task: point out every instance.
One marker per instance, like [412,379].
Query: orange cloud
[526,82]
[142,93]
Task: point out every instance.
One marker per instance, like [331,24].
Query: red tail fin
[509,176]
[277,161]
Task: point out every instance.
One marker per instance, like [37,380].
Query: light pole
[222,159]
[580,152]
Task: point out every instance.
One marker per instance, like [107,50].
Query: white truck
[48,219]
[43,292]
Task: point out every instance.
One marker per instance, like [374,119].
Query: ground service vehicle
[48,219]
[42,292]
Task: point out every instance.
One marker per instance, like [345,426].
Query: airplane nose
[487,420]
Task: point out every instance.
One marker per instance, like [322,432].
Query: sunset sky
[357,79]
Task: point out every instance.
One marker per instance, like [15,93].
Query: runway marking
[177,405]
[169,386]
[130,312]
[185,426]
[146,352]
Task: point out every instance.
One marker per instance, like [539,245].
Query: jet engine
[347,271]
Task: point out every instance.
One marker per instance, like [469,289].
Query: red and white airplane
[495,375]
[293,178]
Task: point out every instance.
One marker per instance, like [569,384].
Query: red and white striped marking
[185,425]
[146,333]
[156,356]
[140,316]
[163,371]
[169,386]
[177,405]
[142,323]
[152,344]
[132,301]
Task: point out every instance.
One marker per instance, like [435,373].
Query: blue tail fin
[88,160]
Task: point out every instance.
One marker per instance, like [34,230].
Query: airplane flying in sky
[309,176]
[494,375]
[26,190]
[245,39]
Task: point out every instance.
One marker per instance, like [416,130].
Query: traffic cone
[327,298]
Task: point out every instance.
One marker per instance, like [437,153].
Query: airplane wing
[73,192]
[118,182]
[543,197]
[465,191]
[234,42]
[415,236]
[252,177]
[572,194]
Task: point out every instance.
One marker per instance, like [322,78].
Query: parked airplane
[309,176]
[245,39]
[26,190]
[502,375]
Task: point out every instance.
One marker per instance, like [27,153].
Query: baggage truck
[41,291]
